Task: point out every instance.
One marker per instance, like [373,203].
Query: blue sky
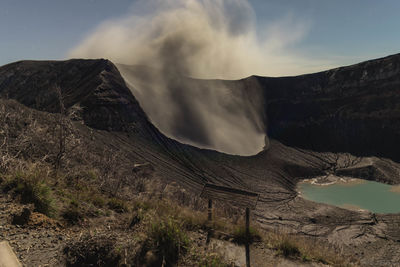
[346,31]
[350,28]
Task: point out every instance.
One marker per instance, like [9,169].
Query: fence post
[209,210]
[247,237]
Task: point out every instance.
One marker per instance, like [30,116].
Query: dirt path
[38,244]
[7,256]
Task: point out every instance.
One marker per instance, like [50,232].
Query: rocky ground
[39,243]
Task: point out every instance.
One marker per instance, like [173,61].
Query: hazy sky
[338,31]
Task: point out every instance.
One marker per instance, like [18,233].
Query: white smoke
[219,39]
[203,39]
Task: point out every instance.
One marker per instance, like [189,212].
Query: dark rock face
[351,109]
[93,87]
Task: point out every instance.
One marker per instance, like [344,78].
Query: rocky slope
[350,109]
[92,87]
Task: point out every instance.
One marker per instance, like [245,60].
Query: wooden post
[209,210]
[210,231]
[247,221]
[247,237]
[237,197]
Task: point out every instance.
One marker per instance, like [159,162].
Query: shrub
[92,251]
[22,218]
[90,175]
[117,205]
[140,185]
[193,220]
[31,187]
[169,240]
[240,236]
[288,249]
[73,214]
[213,261]
[98,201]
[140,205]
[9,184]
[137,217]
[305,249]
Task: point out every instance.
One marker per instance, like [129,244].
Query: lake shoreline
[351,193]
[332,179]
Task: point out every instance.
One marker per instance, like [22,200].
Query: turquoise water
[368,195]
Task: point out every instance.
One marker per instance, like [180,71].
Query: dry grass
[169,240]
[117,205]
[241,237]
[30,185]
[305,249]
[213,260]
[191,219]
[294,247]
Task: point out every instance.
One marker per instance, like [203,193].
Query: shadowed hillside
[350,109]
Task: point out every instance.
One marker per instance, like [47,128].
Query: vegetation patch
[168,239]
[288,249]
[72,214]
[304,249]
[213,260]
[31,187]
[241,237]
[118,205]
[91,251]
[98,201]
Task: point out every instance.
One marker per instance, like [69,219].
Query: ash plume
[163,43]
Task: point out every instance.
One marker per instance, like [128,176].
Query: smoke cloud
[163,43]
